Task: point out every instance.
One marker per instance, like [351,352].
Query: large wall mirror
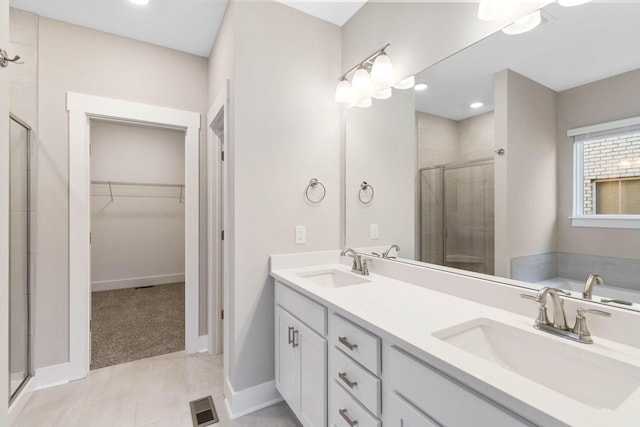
[488,188]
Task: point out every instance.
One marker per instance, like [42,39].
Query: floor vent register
[203,412]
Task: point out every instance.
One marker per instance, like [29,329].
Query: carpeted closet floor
[132,324]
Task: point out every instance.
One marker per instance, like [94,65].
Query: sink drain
[203,412]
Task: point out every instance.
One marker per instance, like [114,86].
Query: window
[607,174]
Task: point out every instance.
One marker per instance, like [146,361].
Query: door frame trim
[82,108]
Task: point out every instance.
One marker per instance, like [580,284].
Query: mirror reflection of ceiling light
[476,104]
[407,83]
[569,3]
[383,94]
[140,2]
[524,24]
[421,86]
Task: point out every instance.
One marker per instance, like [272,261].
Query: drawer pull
[290,338]
[296,341]
[347,418]
[346,380]
[344,341]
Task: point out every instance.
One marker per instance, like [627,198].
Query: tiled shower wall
[23,103]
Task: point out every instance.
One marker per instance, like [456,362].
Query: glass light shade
[407,83]
[569,3]
[524,24]
[361,82]
[343,91]
[492,10]
[382,70]
[140,2]
[365,103]
[383,94]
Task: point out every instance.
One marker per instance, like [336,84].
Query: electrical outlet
[375,232]
[301,234]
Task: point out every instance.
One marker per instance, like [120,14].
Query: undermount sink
[590,378]
[333,278]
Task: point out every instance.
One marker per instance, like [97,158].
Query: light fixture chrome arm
[367,62]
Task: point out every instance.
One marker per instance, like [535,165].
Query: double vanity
[391,348]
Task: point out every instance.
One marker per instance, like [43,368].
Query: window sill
[606,221]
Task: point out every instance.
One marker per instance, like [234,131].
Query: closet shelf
[137,189]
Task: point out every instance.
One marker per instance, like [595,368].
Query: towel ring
[363,188]
[313,184]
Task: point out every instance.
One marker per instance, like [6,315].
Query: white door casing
[82,108]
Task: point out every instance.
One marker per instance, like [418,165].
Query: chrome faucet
[559,326]
[594,279]
[385,254]
[359,266]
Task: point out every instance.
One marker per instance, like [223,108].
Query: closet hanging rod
[144,184]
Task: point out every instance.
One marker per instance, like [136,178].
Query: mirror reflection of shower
[457,215]
[19,256]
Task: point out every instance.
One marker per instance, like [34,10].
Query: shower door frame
[29,373]
[443,168]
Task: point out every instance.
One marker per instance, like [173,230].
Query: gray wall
[602,101]
[73,58]
[525,177]
[283,67]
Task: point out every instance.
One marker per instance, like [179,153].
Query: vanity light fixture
[476,105]
[421,86]
[140,2]
[524,24]
[407,83]
[570,3]
[370,77]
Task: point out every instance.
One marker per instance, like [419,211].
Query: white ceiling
[578,45]
[187,25]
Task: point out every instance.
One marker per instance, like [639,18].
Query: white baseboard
[51,375]
[203,343]
[251,399]
[20,401]
[133,282]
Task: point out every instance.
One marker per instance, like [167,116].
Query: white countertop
[410,314]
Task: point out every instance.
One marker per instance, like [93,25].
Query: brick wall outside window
[609,158]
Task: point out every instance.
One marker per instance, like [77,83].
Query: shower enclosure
[19,257]
[456,215]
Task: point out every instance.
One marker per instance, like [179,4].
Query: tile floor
[153,392]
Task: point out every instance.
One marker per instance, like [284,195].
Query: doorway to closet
[137,242]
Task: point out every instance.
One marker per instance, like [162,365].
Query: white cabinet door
[313,377]
[401,413]
[287,359]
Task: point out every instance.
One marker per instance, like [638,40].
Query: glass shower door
[431,216]
[19,355]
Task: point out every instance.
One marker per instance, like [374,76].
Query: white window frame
[579,219]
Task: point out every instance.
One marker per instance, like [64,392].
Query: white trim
[601,127]
[216,224]
[49,376]
[81,109]
[203,343]
[21,400]
[606,221]
[132,282]
[243,402]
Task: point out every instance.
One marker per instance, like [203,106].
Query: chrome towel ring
[313,185]
[363,189]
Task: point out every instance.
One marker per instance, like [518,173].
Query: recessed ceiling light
[421,86]
[140,2]
[476,104]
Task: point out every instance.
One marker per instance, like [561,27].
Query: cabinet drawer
[308,311]
[400,413]
[441,397]
[347,412]
[363,385]
[362,346]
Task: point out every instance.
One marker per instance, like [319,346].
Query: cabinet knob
[345,342]
[347,418]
